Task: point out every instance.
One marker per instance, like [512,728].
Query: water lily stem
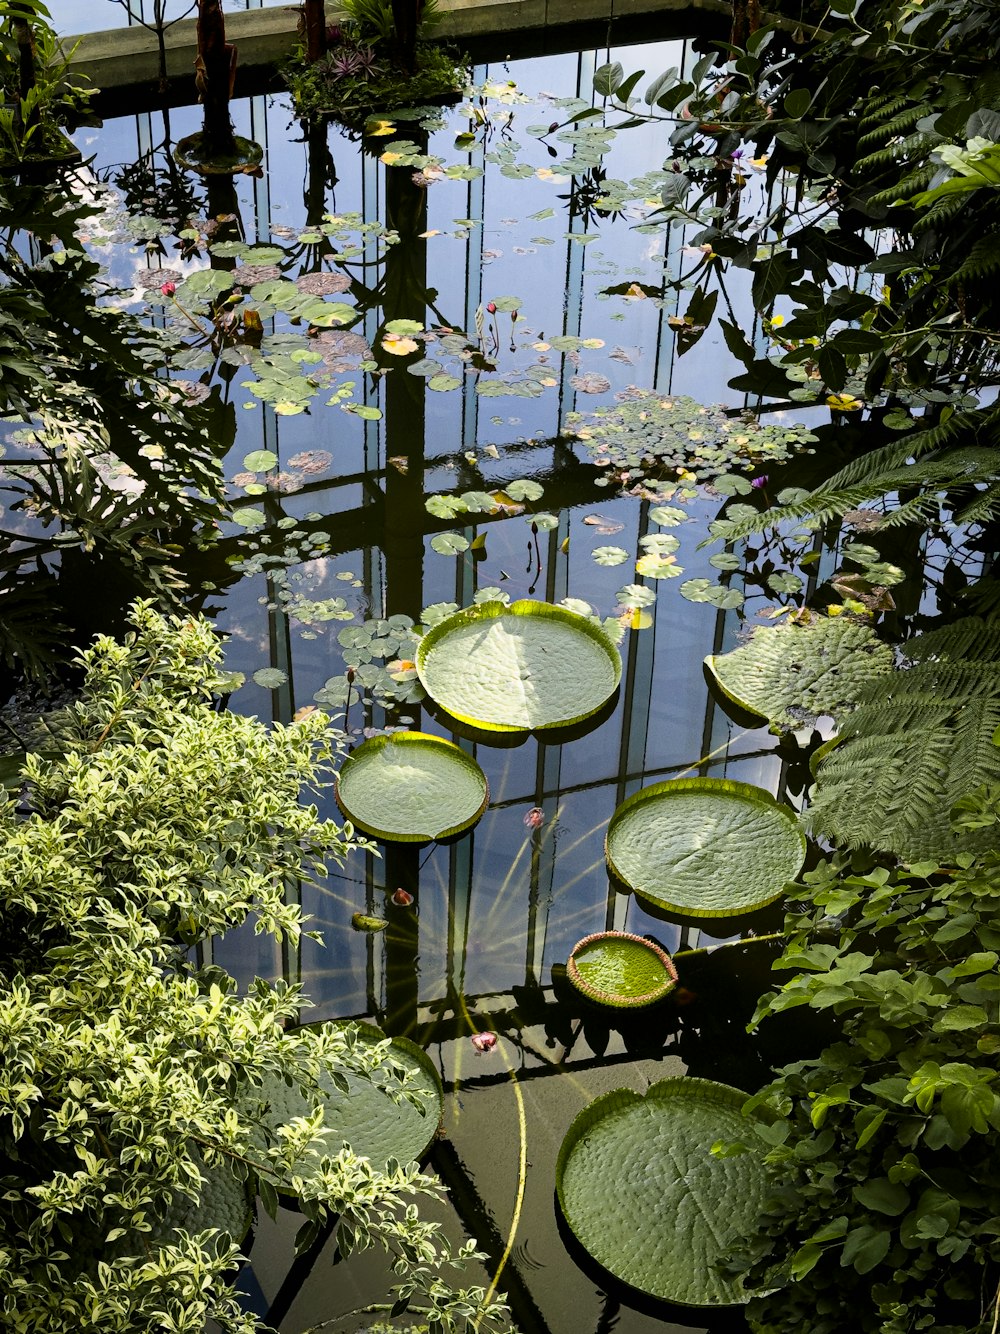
[522,1177]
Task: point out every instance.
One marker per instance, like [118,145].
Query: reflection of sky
[521,907]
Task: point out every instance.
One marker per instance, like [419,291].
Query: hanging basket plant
[411,787]
[621,970]
[518,667]
[705,847]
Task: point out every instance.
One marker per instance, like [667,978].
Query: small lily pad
[620,969]
[705,847]
[411,787]
[643,1192]
[518,667]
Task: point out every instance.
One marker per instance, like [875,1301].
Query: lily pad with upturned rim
[792,674]
[411,787]
[620,969]
[705,847]
[518,667]
[643,1193]
[375,1125]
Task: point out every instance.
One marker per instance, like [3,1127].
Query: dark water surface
[346,539]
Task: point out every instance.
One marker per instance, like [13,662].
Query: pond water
[526,307]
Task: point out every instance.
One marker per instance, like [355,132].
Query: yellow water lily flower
[843,402]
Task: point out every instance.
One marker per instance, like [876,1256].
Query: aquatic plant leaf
[717,595]
[442,383]
[610,555]
[668,516]
[654,565]
[791,674]
[369,925]
[705,847]
[410,787]
[643,1192]
[449,544]
[404,327]
[543,522]
[518,667]
[635,595]
[621,970]
[375,1125]
[270,677]
[524,488]
[260,460]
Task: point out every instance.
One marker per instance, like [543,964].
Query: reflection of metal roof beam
[569,483]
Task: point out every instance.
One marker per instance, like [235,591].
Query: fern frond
[904,119]
[983,509]
[974,637]
[982,261]
[921,739]
[941,211]
[932,477]
[910,184]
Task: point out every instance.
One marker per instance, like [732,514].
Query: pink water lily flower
[535,818]
[484,1042]
[402,898]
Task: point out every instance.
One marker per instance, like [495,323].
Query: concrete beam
[123,64]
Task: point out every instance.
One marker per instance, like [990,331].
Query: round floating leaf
[543,522]
[524,489]
[364,1116]
[610,555]
[705,847]
[717,595]
[270,677]
[450,544]
[410,787]
[442,383]
[639,1186]
[791,674]
[634,596]
[667,516]
[619,969]
[518,667]
[260,460]
[404,327]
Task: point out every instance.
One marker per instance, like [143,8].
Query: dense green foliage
[886,1185]
[131,1102]
[114,471]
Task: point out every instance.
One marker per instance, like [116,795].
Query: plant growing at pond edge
[130,1087]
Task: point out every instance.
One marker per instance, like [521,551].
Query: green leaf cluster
[133,1133]
[885,1185]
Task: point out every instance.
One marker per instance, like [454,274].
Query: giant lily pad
[639,1186]
[619,969]
[793,673]
[375,1125]
[705,847]
[411,787]
[518,667]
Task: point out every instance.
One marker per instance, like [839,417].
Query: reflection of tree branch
[158,26]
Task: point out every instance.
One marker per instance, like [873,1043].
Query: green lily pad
[620,969]
[411,787]
[642,1191]
[792,674]
[363,1114]
[518,667]
[705,847]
